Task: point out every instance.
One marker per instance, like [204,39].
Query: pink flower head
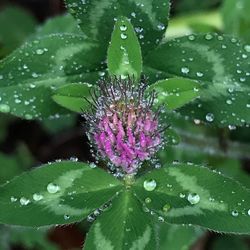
[123,128]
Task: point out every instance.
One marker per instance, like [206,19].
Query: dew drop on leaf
[209,117]
[90,218]
[161,26]
[37,197]
[28,117]
[161,219]
[199,74]
[149,185]
[193,198]
[53,188]
[185,70]
[208,37]
[191,37]
[39,51]
[182,195]
[66,217]
[13,199]
[147,200]
[235,213]
[247,48]
[123,36]
[92,165]
[34,75]
[4,108]
[24,201]
[123,27]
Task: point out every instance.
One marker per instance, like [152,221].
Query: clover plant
[116,70]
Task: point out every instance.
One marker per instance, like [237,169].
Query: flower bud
[124,129]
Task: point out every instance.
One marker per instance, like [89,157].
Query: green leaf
[29,76]
[176,92]
[221,65]
[131,227]
[236,18]
[167,233]
[97,18]
[124,53]
[59,24]
[71,96]
[58,193]
[188,194]
[20,23]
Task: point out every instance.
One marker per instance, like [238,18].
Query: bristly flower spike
[123,128]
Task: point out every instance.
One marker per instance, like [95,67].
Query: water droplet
[247,48]
[248,212]
[37,197]
[133,14]
[32,85]
[208,37]
[13,199]
[24,201]
[193,198]
[185,70]
[92,165]
[53,188]
[149,185]
[66,217]
[191,37]
[161,219]
[199,74]
[166,208]
[123,36]
[39,51]
[90,218]
[28,117]
[34,75]
[231,127]
[4,108]
[123,27]
[229,102]
[147,200]
[73,158]
[1,77]
[160,26]
[182,195]
[210,117]
[235,213]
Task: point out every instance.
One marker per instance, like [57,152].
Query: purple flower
[123,128]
